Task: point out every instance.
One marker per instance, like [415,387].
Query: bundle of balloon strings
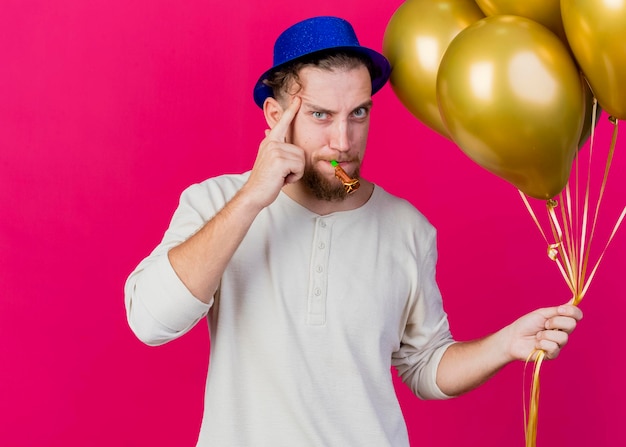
[572,231]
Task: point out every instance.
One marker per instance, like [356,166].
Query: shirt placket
[319,273]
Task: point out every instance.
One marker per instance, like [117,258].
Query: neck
[304,197]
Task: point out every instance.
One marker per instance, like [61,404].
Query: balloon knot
[553,251]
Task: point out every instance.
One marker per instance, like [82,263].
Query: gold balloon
[544,12]
[416,38]
[596,32]
[513,100]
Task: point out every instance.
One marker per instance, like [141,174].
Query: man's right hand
[278,162]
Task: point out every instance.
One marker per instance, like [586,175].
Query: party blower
[349,184]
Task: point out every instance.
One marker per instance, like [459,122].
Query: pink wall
[108,109]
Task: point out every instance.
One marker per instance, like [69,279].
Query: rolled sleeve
[160,307]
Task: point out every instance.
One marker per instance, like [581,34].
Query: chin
[323,188]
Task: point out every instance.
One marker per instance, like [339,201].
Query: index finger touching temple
[281,129]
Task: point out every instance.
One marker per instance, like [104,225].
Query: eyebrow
[367,104]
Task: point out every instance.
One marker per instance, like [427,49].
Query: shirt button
[322,246]
[318,291]
[319,269]
[323,224]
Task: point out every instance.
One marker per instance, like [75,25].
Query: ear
[272,111]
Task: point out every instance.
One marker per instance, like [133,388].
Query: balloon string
[619,220]
[562,251]
[593,272]
[531,416]
[571,227]
[585,259]
[553,252]
[533,215]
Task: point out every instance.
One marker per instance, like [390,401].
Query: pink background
[108,109]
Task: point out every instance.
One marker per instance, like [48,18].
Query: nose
[340,137]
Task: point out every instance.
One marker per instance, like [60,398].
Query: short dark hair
[280,79]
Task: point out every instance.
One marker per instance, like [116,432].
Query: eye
[320,115]
[361,112]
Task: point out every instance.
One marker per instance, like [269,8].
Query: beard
[322,188]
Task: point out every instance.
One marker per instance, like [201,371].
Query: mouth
[346,165]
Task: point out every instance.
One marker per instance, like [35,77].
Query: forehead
[339,87]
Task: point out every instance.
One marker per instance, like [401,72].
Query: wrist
[506,345]
[248,201]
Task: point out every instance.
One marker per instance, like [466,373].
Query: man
[311,293]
